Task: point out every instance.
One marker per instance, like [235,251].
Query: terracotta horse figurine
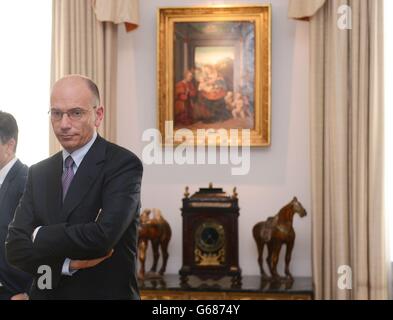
[274,232]
[158,231]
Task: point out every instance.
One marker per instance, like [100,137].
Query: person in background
[13,176]
[184,93]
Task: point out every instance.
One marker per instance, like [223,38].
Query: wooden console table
[251,288]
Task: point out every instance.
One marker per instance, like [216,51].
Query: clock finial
[235,194]
[186,193]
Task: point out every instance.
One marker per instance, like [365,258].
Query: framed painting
[214,72]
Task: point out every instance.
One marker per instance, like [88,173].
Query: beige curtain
[83,44]
[118,11]
[346,105]
[304,9]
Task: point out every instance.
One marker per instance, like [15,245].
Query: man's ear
[11,145]
[99,115]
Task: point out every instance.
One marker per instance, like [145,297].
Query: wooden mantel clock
[210,235]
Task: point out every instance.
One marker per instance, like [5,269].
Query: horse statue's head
[145,216]
[298,207]
[157,214]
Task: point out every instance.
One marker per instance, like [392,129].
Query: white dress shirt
[77,156]
[6,169]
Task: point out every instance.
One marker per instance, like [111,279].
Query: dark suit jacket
[11,191]
[107,181]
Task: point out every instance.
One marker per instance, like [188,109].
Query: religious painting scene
[214,75]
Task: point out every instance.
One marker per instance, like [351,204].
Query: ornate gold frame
[261,16]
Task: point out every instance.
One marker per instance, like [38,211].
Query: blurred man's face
[6,152]
[76,128]
[188,76]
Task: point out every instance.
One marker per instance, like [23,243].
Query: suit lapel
[53,199]
[3,191]
[10,176]
[84,178]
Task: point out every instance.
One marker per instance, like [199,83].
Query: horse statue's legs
[142,247]
[272,259]
[269,256]
[156,254]
[165,255]
[261,245]
[164,242]
[257,234]
[288,254]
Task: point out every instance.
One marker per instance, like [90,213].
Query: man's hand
[84,264]
[20,296]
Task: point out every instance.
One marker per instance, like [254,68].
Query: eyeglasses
[74,114]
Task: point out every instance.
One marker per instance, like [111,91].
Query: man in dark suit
[75,229]
[13,175]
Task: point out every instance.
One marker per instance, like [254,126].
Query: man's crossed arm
[85,244]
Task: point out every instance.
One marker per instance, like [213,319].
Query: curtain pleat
[346,112]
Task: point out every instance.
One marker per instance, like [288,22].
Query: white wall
[25,61]
[277,173]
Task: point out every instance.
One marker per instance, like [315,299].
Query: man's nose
[65,122]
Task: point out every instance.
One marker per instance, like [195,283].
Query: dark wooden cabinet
[210,235]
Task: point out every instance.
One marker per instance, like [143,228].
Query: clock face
[210,237]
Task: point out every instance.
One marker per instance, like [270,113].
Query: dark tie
[68,175]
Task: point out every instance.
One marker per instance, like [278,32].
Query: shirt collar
[79,154]
[6,169]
